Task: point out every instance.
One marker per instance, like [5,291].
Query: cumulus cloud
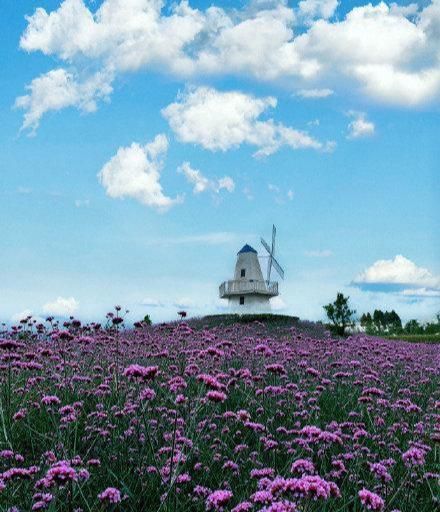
[59,89]
[134,172]
[219,120]
[202,183]
[317,9]
[398,274]
[257,42]
[387,52]
[126,35]
[61,307]
[360,126]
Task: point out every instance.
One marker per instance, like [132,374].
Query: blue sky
[320,118]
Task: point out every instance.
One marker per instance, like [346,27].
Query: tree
[367,323]
[394,323]
[340,314]
[147,320]
[434,326]
[413,327]
[379,320]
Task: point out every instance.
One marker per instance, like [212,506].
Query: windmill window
[243,272]
[241,300]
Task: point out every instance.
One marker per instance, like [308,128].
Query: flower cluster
[237,418]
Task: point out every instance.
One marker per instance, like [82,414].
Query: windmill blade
[274,232]
[277,266]
[266,246]
[269,263]
[269,268]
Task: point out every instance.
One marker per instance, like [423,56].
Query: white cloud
[404,10]
[126,35]
[279,194]
[23,315]
[45,31]
[256,42]
[61,307]
[420,292]
[135,172]
[59,89]
[202,184]
[360,126]
[400,87]
[152,303]
[325,253]
[313,9]
[278,304]
[388,53]
[223,120]
[314,93]
[399,271]
[226,183]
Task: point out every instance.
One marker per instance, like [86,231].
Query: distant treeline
[384,323]
[389,322]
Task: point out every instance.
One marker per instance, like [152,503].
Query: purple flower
[60,473]
[370,500]
[50,400]
[303,466]
[218,499]
[141,372]
[147,394]
[110,495]
[216,396]
[414,457]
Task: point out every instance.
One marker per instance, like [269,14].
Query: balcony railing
[231,288]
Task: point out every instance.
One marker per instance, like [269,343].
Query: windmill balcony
[236,287]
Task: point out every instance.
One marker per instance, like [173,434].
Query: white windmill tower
[249,292]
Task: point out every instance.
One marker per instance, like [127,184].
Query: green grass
[414,338]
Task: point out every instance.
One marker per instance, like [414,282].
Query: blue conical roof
[247,248]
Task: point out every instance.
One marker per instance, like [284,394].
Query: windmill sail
[272,260]
[266,245]
[278,268]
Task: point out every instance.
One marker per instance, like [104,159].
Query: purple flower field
[237,418]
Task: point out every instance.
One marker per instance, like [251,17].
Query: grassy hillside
[273,323]
[416,338]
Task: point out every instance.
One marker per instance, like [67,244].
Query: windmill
[272,261]
[248,292]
